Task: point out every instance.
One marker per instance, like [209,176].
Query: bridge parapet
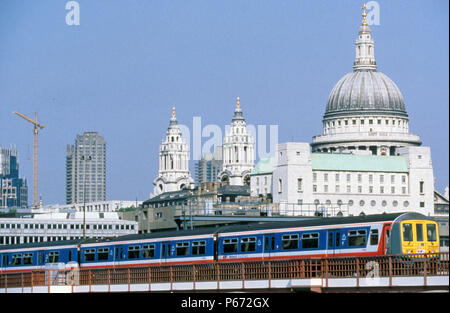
[356,273]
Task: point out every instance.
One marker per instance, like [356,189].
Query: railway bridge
[393,273]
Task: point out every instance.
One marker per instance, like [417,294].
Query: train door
[420,238]
[165,251]
[119,254]
[269,245]
[387,238]
[334,241]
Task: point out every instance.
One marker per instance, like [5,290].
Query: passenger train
[400,233]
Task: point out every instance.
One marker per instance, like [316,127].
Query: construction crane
[35,154]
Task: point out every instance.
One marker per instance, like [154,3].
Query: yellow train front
[414,233]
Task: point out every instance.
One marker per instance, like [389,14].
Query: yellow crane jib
[35,153]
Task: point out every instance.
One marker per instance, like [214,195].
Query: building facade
[86,169]
[63,226]
[238,151]
[13,190]
[173,173]
[360,183]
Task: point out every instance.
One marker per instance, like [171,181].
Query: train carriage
[399,233]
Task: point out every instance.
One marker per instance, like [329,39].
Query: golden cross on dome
[364,14]
[173,112]
[238,104]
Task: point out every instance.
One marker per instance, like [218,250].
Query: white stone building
[63,226]
[98,206]
[238,151]
[173,174]
[360,183]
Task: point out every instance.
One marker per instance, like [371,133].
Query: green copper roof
[358,163]
[264,166]
[343,162]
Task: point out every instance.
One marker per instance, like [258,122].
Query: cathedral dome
[365,91]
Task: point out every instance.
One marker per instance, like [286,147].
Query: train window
[330,239]
[419,232]
[310,241]
[148,251]
[248,244]
[407,232]
[230,245]
[289,242]
[17,259]
[27,258]
[102,254]
[53,257]
[431,232]
[134,252]
[356,238]
[198,247]
[89,255]
[338,239]
[374,237]
[182,248]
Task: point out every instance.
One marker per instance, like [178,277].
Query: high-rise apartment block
[86,169]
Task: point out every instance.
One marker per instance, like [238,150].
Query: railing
[324,268]
[261,209]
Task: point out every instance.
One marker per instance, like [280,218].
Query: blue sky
[129,61]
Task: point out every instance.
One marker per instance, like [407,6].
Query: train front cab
[419,236]
[414,233]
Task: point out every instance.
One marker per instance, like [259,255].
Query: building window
[381,178]
[392,189]
[403,179]
[359,178]
[299,184]
[349,189]
[337,188]
[403,190]
[392,179]
[373,203]
[370,189]
[325,188]
[422,204]
[381,189]
[314,188]
[280,186]
[314,177]
[421,187]
[361,203]
[337,177]
[370,178]
[348,178]
[325,177]
[359,189]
